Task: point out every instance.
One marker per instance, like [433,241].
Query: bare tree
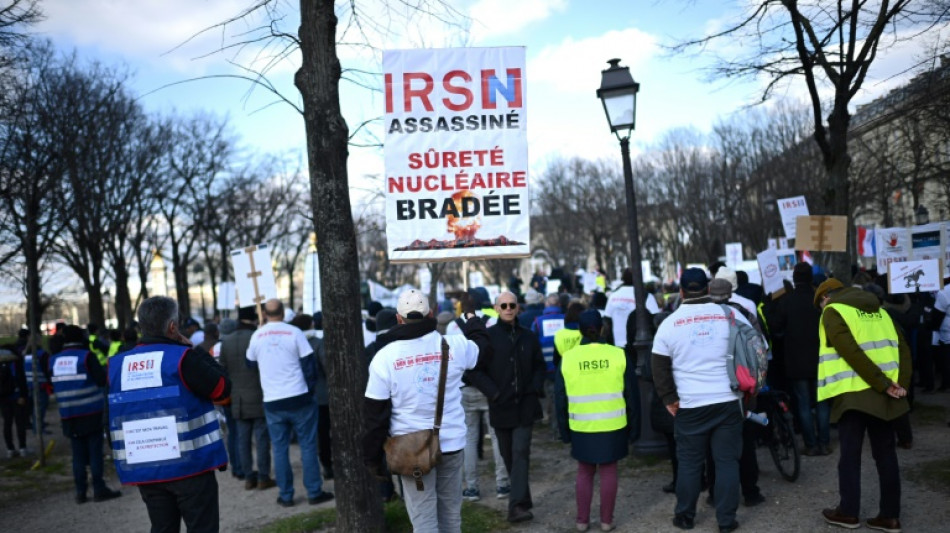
[199,152]
[830,45]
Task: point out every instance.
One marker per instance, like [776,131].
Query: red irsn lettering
[422,94]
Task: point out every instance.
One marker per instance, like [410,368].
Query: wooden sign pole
[254,274]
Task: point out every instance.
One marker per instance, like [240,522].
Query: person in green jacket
[864,365]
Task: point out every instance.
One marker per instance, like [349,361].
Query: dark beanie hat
[74,334]
[590,320]
[802,273]
[248,313]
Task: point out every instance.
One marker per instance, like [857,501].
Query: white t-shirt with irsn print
[278,348]
[696,338]
[407,373]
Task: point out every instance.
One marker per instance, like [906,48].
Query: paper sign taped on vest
[142,370]
[151,439]
[551,326]
[66,365]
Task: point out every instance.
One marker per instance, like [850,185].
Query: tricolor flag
[866,241]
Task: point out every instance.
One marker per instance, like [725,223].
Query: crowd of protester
[564,362]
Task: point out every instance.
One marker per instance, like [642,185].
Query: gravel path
[641,506]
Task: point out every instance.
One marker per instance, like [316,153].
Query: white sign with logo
[142,370]
[475,279]
[928,241]
[790,209]
[151,439]
[552,326]
[893,246]
[772,276]
[66,366]
[911,276]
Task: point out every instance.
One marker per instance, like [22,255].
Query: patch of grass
[928,414]
[475,519]
[933,474]
[17,478]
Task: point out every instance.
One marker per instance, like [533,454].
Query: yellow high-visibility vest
[114,347]
[566,339]
[593,377]
[102,357]
[874,333]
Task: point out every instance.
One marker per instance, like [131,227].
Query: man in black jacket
[512,383]
[796,323]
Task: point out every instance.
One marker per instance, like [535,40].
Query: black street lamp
[921,215]
[618,92]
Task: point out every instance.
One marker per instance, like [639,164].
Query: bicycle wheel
[783,446]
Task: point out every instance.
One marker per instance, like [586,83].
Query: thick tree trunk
[839,196]
[358,501]
[180,273]
[123,299]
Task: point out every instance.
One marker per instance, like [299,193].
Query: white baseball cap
[412,301]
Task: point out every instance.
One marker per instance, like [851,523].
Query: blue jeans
[804,391]
[303,422]
[234,458]
[255,428]
[718,427]
[87,451]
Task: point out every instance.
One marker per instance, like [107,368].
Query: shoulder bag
[416,454]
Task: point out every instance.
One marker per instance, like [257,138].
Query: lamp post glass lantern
[921,215]
[618,93]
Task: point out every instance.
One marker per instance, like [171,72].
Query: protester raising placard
[456,154]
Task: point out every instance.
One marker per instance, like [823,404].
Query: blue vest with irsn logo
[555,321]
[161,431]
[76,393]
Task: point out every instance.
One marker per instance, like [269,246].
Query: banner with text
[456,154]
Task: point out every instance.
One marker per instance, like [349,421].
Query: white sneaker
[11,454]
[24,452]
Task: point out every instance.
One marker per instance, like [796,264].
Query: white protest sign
[425,280]
[733,254]
[772,277]
[440,292]
[253,275]
[456,154]
[892,245]
[911,276]
[493,292]
[789,209]
[150,440]
[946,258]
[773,244]
[783,243]
[475,279]
[311,284]
[227,296]
[554,285]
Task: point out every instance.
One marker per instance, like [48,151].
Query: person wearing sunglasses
[513,382]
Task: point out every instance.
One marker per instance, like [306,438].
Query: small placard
[150,440]
[552,326]
[911,276]
[822,233]
[772,276]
